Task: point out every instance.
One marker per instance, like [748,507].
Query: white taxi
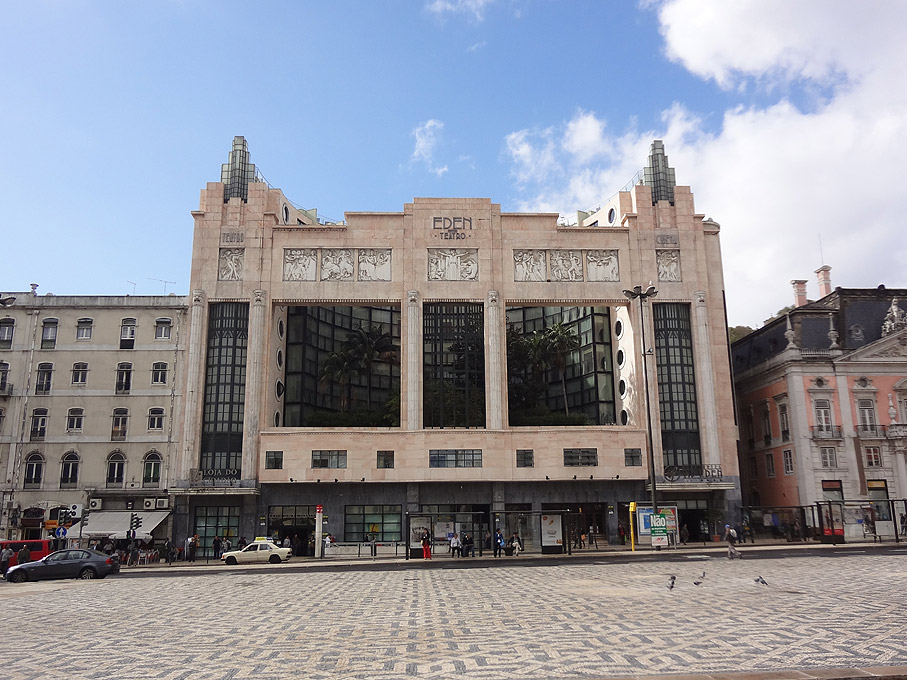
[259,550]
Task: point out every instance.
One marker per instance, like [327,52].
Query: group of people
[6,556]
[515,543]
[464,546]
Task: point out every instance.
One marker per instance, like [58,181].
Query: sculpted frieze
[668,262]
[374,264]
[529,265]
[299,264]
[566,265]
[229,266]
[602,265]
[453,264]
[337,264]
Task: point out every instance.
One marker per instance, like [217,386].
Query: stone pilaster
[413,353]
[494,404]
[254,387]
[195,386]
[705,382]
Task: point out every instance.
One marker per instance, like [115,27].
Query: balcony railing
[897,430]
[785,435]
[710,472]
[767,440]
[870,431]
[829,432]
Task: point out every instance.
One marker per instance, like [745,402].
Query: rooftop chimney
[799,292]
[824,275]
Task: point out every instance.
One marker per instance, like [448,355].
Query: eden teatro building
[451,362]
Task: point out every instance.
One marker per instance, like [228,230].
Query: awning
[115,524]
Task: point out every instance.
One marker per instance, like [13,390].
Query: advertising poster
[644,521]
[552,531]
[416,526]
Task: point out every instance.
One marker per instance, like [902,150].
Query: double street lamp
[637,293]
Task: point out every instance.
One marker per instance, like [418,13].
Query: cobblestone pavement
[505,621]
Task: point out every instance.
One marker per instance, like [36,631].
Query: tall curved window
[74,419]
[127,334]
[124,378]
[4,377]
[49,334]
[156,419]
[79,373]
[7,326]
[69,470]
[120,421]
[83,329]
[38,424]
[159,373]
[116,470]
[34,470]
[151,473]
[43,378]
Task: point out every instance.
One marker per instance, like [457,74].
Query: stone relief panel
[375,264]
[566,265]
[337,264]
[299,264]
[602,265]
[668,262]
[230,264]
[453,264]
[529,265]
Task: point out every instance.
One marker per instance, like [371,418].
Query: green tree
[368,347]
[340,367]
[560,342]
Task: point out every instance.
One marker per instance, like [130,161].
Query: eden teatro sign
[452,228]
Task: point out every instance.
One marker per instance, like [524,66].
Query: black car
[75,563]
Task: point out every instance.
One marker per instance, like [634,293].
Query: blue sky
[786,119]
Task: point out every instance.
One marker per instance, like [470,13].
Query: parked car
[75,563]
[257,551]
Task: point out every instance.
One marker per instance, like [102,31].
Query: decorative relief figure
[668,262]
[413,297]
[566,265]
[601,265]
[895,319]
[529,265]
[336,264]
[493,297]
[230,265]
[299,264]
[453,264]
[374,264]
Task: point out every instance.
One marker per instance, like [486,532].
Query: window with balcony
[769,464]
[823,415]
[829,457]
[116,470]
[127,334]
[120,422]
[43,378]
[34,470]
[159,373]
[2,416]
[124,378]
[49,333]
[7,326]
[867,412]
[162,329]
[83,329]
[784,419]
[151,470]
[74,420]
[766,426]
[873,456]
[38,424]
[69,470]
[79,373]
[156,419]
[4,377]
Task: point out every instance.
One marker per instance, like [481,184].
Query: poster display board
[552,534]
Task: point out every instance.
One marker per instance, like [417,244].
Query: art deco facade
[822,393]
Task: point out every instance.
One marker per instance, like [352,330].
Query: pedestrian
[684,534]
[730,535]
[455,546]
[286,541]
[516,543]
[242,543]
[903,524]
[622,533]
[498,543]
[193,547]
[426,545]
[225,545]
[216,545]
[297,545]
[24,554]
[5,556]
[469,546]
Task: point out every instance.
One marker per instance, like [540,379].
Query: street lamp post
[637,293]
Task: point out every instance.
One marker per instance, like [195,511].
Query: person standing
[684,534]
[730,535]
[24,554]
[193,547]
[5,556]
[455,546]
[622,533]
[217,547]
[426,545]
[903,524]
[498,543]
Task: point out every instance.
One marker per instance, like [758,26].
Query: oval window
[611,215]
[624,417]
[279,389]
[622,387]
[280,328]
[619,328]
[279,359]
[620,358]
[277,419]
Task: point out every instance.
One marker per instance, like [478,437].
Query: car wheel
[87,573]
[17,577]
[274,559]
[230,560]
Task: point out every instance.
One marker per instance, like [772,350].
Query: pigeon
[671,584]
[697,583]
[703,575]
[761,580]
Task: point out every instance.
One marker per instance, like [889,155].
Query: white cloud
[777,176]
[428,136]
[476,8]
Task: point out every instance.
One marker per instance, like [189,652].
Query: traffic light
[135,521]
[63,516]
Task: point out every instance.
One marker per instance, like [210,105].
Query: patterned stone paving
[536,622]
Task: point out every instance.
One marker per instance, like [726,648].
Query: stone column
[705,382]
[195,386]
[494,350]
[413,353]
[254,387]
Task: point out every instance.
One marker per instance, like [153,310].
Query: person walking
[684,534]
[730,535]
[5,556]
